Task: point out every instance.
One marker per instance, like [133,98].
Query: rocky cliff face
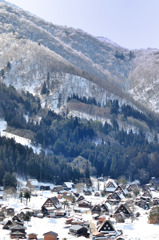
[68,61]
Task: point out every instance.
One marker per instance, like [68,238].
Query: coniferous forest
[110,151]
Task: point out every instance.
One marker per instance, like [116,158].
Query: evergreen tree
[27,196]
[9,180]
[44,89]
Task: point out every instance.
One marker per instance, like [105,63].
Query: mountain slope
[72,62]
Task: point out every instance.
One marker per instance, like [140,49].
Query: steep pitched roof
[124,208]
[80,198]
[96,208]
[107,227]
[111,184]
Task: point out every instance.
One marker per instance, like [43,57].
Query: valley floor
[138,229]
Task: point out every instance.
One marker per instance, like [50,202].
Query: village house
[44,188]
[106,208]
[17,220]
[10,211]
[124,209]
[84,203]
[78,230]
[115,197]
[148,187]
[7,224]
[52,202]
[77,221]
[142,203]
[57,213]
[107,227]
[50,205]
[155,182]
[147,194]
[110,186]
[87,192]
[3,208]
[18,232]
[97,194]
[21,215]
[80,198]
[96,209]
[123,191]
[58,188]
[155,201]
[68,185]
[132,187]
[32,184]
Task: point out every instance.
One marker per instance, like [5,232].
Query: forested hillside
[110,151]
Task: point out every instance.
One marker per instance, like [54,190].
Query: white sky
[130,23]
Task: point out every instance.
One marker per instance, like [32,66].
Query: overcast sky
[130,23]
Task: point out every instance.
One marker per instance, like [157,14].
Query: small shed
[32,236]
[78,230]
[50,236]
[10,211]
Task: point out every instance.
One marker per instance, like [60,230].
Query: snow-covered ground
[18,139]
[3,125]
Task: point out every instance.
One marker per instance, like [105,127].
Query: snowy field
[18,139]
[3,125]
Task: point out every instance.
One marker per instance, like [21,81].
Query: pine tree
[44,89]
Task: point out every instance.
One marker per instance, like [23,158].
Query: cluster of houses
[116,206]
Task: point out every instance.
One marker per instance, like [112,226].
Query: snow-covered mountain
[34,53]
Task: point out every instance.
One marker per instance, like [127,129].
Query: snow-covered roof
[68,184]
[111,182]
